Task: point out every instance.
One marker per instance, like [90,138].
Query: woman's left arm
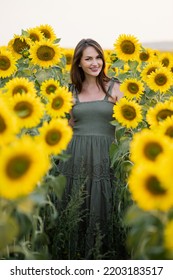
[116,93]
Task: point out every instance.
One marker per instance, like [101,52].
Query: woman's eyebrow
[89,56]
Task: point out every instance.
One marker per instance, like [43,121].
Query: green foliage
[145,237]
[121,165]
[8,230]
[66,243]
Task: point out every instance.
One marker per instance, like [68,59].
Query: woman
[89,165]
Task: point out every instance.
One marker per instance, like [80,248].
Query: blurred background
[150,21]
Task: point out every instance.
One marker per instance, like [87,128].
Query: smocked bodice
[93,118]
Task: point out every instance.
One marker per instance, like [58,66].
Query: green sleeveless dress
[89,167]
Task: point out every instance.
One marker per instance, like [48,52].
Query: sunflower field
[34,133]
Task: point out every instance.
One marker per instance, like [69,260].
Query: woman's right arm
[71,119]
[72,90]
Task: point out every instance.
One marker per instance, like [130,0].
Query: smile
[94,69]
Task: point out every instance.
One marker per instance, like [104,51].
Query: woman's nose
[94,62]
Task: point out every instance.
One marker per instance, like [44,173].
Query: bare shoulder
[116,93]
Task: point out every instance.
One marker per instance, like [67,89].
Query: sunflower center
[18,166]
[160,79]
[23,109]
[128,112]
[133,88]
[127,47]
[20,89]
[57,103]
[34,37]
[4,63]
[163,114]
[169,131]
[2,125]
[68,59]
[152,150]
[19,45]
[50,89]
[53,136]
[165,62]
[151,69]
[154,186]
[144,56]
[46,33]
[45,53]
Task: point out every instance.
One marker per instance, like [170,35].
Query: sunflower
[147,146]
[55,135]
[45,53]
[166,127]
[19,85]
[68,53]
[112,57]
[127,47]
[171,67]
[28,109]
[159,113]
[35,34]
[47,32]
[132,88]
[107,54]
[160,80]
[127,112]
[119,70]
[150,68]
[8,124]
[59,103]
[149,187]
[146,55]
[49,86]
[115,71]
[165,161]
[18,45]
[165,59]
[168,233]
[22,167]
[107,67]
[126,67]
[7,63]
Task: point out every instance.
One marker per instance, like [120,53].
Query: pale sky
[102,20]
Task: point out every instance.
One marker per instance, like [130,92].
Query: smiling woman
[88,170]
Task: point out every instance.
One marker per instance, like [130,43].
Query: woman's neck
[90,83]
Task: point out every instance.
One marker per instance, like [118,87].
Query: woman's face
[91,62]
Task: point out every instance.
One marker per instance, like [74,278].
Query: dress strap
[109,90]
[112,82]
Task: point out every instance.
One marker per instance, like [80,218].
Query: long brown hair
[77,74]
